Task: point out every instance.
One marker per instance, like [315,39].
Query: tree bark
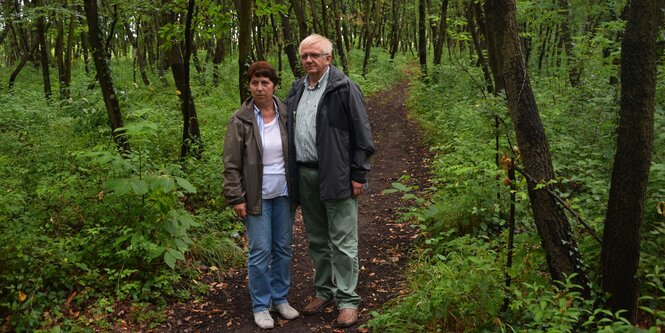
[562,254]
[26,57]
[301,16]
[422,39]
[244,9]
[620,254]
[338,37]
[290,47]
[40,31]
[104,75]
[441,36]
[495,25]
[138,53]
[179,61]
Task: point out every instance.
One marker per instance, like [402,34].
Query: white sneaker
[286,311]
[264,320]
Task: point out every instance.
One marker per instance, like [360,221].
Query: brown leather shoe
[346,318]
[315,306]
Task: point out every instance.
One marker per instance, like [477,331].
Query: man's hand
[241,210]
[357,188]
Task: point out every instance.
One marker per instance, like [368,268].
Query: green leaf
[176,254]
[169,259]
[186,185]
[400,187]
[119,186]
[139,186]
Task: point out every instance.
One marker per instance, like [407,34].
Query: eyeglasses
[304,56]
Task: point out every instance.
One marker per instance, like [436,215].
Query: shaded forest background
[547,210]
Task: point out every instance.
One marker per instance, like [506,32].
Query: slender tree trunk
[620,254]
[368,34]
[67,78]
[441,36]
[217,59]
[59,54]
[138,54]
[26,57]
[191,133]
[104,75]
[300,16]
[495,25]
[244,9]
[422,39]
[316,22]
[471,17]
[338,37]
[84,40]
[43,53]
[561,251]
[394,29]
[290,47]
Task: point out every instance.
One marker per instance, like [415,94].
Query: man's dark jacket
[343,136]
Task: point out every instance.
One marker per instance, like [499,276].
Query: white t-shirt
[274,172]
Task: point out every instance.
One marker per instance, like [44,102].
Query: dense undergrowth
[457,280]
[87,234]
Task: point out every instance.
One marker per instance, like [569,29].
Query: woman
[255,184]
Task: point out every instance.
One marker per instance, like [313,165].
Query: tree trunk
[471,17]
[67,78]
[104,75]
[574,71]
[394,29]
[441,36]
[620,254]
[562,254]
[84,41]
[338,37]
[217,59]
[191,133]
[43,53]
[244,9]
[422,41]
[301,16]
[495,25]
[138,54]
[26,57]
[290,47]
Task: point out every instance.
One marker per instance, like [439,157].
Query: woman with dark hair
[256,185]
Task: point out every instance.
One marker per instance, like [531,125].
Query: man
[331,143]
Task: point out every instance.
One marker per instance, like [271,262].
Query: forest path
[384,241]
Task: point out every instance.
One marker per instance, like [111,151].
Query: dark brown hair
[262,69]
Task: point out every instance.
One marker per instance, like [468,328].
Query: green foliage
[468,200]
[456,290]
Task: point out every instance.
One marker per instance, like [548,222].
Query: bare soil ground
[384,240]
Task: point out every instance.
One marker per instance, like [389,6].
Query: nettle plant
[148,201]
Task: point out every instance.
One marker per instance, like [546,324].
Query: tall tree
[620,254]
[290,47]
[40,31]
[422,38]
[244,9]
[441,35]
[104,75]
[562,254]
[179,56]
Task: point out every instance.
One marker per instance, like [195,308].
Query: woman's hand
[241,210]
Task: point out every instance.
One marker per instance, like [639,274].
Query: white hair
[314,39]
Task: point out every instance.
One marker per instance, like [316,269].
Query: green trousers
[332,230]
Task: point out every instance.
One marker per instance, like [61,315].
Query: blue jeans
[269,261]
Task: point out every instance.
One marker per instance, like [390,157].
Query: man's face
[314,60]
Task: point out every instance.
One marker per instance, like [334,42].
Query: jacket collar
[246,111]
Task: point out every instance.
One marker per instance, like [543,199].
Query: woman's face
[261,89]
